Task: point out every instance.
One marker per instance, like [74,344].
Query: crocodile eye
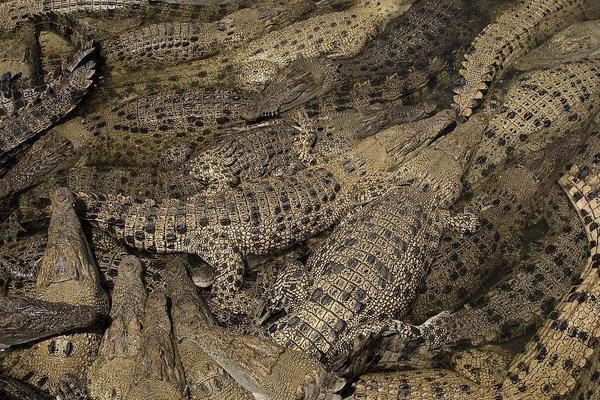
[52,347]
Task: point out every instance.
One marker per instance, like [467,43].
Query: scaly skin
[538,108]
[24,320]
[110,375]
[262,216]
[158,372]
[370,268]
[19,56]
[15,13]
[134,133]
[12,389]
[335,35]
[465,263]
[397,62]
[267,370]
[59,98]
[189,313]
[554,358]
[474,374]
[513,34]
[57,149]
[285,148]
[576,43]
[68,273]
[19,262]
[177,42]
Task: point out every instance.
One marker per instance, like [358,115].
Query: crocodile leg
[289,290]
[216,250]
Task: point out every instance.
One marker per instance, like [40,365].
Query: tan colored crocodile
[576,43]
[262,216]
[267,370]
[205,378]
[340,34]
[554,358]
[110,375]
[537,109]
[68,273]
[158,373]
[176,42]
[513,34]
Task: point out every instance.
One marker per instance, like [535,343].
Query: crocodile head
[268,370]
[301,81]
[439,167]
[68,269]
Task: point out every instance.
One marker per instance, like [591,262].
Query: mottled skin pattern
[370,268]
[110,375]
[12,389]
[576,43]
[403,58]
[262,216]
[267,370]
[68,274]
[334,35]
[134,133]
[538,108]
[474,374]
[158,373]
[190,315]
[177,42]
[22,265]
[512,35]
[53,102]
[57,149]
[15,13]
[24,319]
[465,263]
[285,148]
[554,358]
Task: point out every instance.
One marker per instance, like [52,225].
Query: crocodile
[189,312]
[68,274]
[177,42]
[12,389]
[285,148]
[135,132]
[404,57]
[265,369]
[554,358]
[25,319]
[464,264]
[158,373]
[512,35]
[20,261]
[52,102]
[538,108]
[110,374]
[474,372]
[15,13]
[261,216]
[576,43]
[339,34]
[57,149]
[370,268]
